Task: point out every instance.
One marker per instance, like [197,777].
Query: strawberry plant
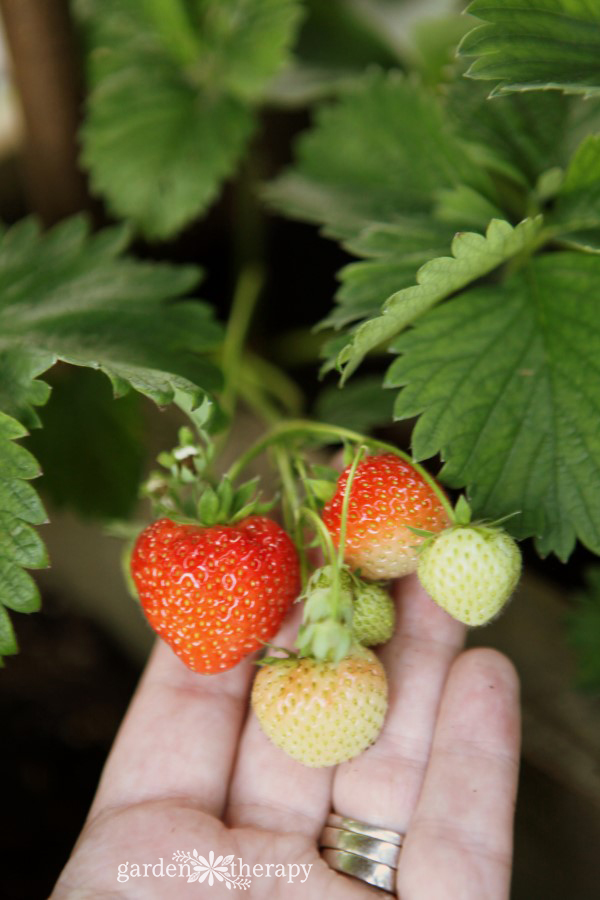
[455,163]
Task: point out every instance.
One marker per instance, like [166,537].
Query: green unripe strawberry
[470,571]
[363,613]
[322,713]
[374,614]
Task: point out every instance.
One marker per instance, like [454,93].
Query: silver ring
[362,851]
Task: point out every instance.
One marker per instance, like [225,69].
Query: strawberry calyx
[326,631]
[288,656]
[362,613]
[462,514]
[185,490]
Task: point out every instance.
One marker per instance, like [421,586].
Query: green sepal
[290,657]
[420,532]
[209,507]
[187,492]
[462,511]
[244,494]
[326,641]
[320,489]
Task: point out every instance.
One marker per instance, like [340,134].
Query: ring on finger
[363,851]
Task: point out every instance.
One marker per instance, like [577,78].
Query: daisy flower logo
[211,869]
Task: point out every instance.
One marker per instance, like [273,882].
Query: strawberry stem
[330,551]
[323,534]
[322,433]
[247,291]
[346,502]
[291,507]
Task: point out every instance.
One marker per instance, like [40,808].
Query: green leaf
[95,467]
[505,380]
[20,390]
[18,590]
[20,545]
[536,44]
[384,148]
[341,36]
[8,641]
[361,405]
[577,211]
[68,295]
[520,136]
[170,110]
[371,171]
[394,253]
[155,154]
[473,255]
[433,46]
[584,631]
[21,542]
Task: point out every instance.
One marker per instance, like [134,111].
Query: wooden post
[41,43]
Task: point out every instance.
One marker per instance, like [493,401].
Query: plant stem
[245,298]
[291,428]
[291,507]
[323,533]
[304,477]
[346,502]
[280,386]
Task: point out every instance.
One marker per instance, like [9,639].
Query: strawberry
[365,614]
[322,713]
[374,614]
[386,496]
[214,594]
[470,571]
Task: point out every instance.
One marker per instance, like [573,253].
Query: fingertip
[490,668]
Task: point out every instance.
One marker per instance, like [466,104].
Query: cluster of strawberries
[218,593]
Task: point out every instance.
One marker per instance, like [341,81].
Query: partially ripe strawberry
[214,594]
[322,713]
[386,496]
[374,615]
[470,571]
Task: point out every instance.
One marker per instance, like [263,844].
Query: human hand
[191,770]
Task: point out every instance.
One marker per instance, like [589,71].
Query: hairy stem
[320,432]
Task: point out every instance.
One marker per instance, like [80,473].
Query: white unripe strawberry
[322,713]
[470,571]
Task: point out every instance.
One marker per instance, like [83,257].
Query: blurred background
[63,696]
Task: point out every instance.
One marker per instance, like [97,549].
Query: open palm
[191,770]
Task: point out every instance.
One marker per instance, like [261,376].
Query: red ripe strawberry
[215,593]
[386,496]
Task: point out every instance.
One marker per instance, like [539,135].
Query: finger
[179,736]
[270,790]
[382,786]
[460,838]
